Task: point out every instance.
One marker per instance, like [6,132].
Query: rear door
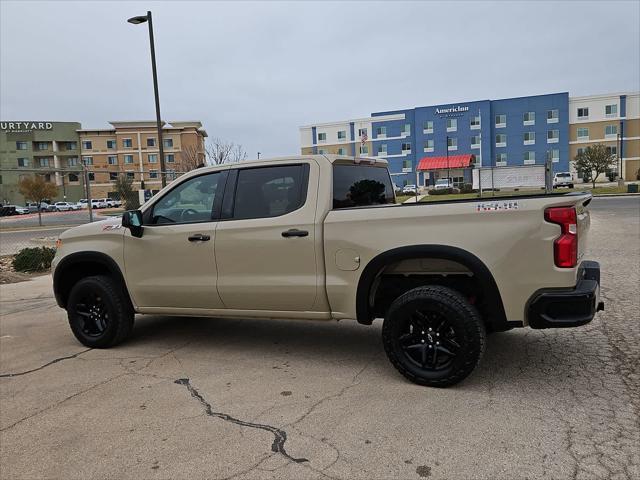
[266,240]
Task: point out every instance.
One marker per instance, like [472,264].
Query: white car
[409,189]
[64,206]
[562,179]
[98,203]
[21,210]
[112,202]
[83,202]
[443,184]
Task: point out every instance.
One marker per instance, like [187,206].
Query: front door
[266,247]
[173,263]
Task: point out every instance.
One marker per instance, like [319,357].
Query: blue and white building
[507,132]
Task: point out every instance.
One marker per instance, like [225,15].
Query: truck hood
[110,225]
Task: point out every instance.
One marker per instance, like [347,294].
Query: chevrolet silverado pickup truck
[320,237]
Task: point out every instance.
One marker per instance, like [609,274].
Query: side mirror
[132,219]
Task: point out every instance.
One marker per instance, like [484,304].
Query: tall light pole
[136,21]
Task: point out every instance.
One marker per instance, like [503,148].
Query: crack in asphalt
[280,436]
[60,359]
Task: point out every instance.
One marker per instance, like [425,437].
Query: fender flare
[497,317]
[87,257]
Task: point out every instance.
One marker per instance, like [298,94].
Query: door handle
[294,232]
[199,237]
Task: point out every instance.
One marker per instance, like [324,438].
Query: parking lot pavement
[54,219]
[205,398]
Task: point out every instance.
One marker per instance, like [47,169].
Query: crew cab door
[173,264]
[266,240]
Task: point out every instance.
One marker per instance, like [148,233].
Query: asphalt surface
[50,219]
[213,398]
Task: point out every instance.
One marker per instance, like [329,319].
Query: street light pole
[448,173]
[136,21]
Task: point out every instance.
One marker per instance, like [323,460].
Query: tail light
[565,247]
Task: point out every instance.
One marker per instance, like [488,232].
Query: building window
[475,141]
[92,177]
[501,160]
[406,129]
[87,160]
[342,151]
[21,145]
[612,150]
[43,162]
[582,133]
[610,131]
[555,155]
[529,138]
[127,143]
[529,158]
[72,145]
[169,158]
[153,173]
[381,132]
[72,162]
[553,136]
[321,151]
[73,177]
[342,134]
[501,121]
[168,142]
[406,148]
[113,176]
[583,113]
[452,143]
[87,145]
[475,122]
[128,159]
[580,151]
[23,162]
[428,145]
[382,149]
[42,146]
[131,175]
[529,118]
[611,110]
[112,160]
[501,140]
[322,137]
[151,142]
[452,124]
[427,127]
[111,144]
[364,150]
[406,166]
[362,132]
[553,116]
[152,158]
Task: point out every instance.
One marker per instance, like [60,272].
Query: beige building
[131,148]
[611,119]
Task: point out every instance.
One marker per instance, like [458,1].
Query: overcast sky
[254,72]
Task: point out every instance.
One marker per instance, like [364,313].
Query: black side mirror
[132,219]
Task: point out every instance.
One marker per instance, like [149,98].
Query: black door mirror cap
[132,219]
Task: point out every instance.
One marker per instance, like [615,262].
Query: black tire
[100,315]
[571,185]
[439,357]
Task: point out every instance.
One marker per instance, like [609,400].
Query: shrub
[34,259]
[467,188]
[444,191]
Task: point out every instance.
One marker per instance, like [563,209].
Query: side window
[191,201]
[270,191]
[360,185]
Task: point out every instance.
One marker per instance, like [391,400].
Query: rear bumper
[560,308]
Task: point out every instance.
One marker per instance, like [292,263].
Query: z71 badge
[497,206]
[112,227]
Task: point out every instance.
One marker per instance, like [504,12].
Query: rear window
[360,186]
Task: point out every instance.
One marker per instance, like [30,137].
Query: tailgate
[584,221]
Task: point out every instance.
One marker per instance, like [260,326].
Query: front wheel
[100,315]
[433,336]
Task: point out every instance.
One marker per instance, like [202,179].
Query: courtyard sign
[14,127]
[455,109]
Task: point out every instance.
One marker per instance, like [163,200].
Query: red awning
[452,161]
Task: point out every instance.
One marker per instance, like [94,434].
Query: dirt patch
[9,275]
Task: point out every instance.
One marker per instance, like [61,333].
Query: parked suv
[562,179]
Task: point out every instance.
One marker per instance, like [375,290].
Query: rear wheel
[100,315]
[433,336]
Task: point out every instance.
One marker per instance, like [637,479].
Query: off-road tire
[111,300]
[444,305]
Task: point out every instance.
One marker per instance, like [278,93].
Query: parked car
[83,202]
[320,237]
[65,206]
[98,203]
[43,207]
[112,202]
[7,210]
[562,179]
[443,184]
[409,190]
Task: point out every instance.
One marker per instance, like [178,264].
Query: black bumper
[559,308]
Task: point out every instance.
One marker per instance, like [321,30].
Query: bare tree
[219,151]
[37,189]
[191,158]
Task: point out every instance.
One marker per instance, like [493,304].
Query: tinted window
[269,191]
[360,185]
[191,201]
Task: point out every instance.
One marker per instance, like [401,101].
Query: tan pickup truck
[321,238]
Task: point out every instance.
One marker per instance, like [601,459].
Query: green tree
[128,196]
[36,189]
[595,160]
